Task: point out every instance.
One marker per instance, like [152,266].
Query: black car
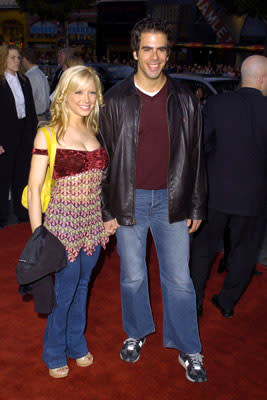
[110,74]
[209,84]
[118,72]
[102,73]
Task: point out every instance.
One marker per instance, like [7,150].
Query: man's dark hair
[29,54]
[148,24]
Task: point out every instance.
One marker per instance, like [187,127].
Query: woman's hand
[111,226]
[2,150]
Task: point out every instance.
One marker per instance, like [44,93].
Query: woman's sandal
[85,361]
[61,372]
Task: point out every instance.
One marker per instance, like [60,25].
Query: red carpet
[234,349]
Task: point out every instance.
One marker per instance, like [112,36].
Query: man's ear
[135,56]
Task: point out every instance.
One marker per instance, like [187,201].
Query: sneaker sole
[181,361]
[129,361]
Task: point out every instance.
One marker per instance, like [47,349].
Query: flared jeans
[64,334]
[180,327]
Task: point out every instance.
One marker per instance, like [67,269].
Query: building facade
[203,32]
[13,24]
[115,21]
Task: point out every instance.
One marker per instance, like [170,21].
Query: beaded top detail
[71,162]
[74,213]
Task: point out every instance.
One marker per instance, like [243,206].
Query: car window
[100,70]
[119,71]
[196,87]
[225,86]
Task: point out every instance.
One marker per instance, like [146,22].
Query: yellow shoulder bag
[49,181]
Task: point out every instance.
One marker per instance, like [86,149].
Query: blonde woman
[73,214]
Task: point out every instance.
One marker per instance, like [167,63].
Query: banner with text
[223,33]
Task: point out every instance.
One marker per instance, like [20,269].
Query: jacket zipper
[169,95]
[133,208]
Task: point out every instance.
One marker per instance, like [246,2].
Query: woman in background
[18,127]
[73,214]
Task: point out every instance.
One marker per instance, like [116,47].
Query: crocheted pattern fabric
[74,213]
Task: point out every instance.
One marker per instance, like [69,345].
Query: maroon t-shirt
[153,142]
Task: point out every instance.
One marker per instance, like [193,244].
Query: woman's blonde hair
[74,79]
[4,50]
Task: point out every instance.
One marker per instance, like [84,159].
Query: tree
[253,8]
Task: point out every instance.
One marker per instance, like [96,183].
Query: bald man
[235,141]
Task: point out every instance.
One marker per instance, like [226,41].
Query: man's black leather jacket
[119,127]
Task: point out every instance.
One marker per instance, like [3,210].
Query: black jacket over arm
[42,255]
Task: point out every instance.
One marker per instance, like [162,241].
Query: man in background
[63,54]
[39,83]
[235,141]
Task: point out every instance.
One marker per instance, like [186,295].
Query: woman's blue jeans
[180,328]
[64,334]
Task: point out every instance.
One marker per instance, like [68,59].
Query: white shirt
[151,94]
[15,86]
[40,89]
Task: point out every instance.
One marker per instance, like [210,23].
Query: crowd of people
[209,68]
[218,69]
[138,159]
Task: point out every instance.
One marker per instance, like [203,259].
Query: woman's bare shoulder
[40,140]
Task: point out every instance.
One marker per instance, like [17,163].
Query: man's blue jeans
[64,334]
[180,328]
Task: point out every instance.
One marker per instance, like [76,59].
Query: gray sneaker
[131,348]
[195,372]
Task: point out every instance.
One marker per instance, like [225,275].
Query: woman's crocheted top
[74,213]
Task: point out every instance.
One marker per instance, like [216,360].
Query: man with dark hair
[148,25]
[235,138]
[155,180]
[39,83]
